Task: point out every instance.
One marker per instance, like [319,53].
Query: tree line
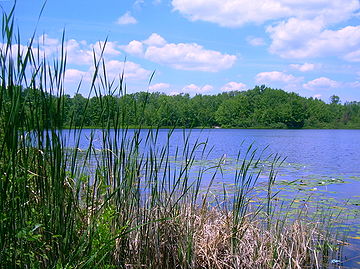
[261,107]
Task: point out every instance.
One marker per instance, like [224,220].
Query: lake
[325,165]
[326,153]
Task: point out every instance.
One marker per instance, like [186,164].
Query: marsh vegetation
[130,203]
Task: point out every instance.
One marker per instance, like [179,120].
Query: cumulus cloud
[298,29]
[321,83]
[279,79]
[114,69]
[15,48]
[155,40]
[126,19]
[108,48]
[132,71]
[235,13]
[297,38]
[192,88]
[48,45]
[233,86]
[190,57]
[276,76]
[255,41]
[78,52]
[159,87]
[303,67]
[183,56]
[134,47]
[81,53]
[74,75]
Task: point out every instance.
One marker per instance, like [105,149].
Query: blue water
[323,155]
[323,152]
[319,155]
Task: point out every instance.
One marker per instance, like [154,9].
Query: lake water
[316,153]
[324,163]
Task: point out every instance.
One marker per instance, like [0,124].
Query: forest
[261,107]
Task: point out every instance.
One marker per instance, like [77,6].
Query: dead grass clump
[253,245]
[207,238]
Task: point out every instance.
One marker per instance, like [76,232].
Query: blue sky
[205,46]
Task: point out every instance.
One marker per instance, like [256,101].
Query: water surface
[325,165]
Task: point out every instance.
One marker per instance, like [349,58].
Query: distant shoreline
[219,128]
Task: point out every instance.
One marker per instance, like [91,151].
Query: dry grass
[204,238]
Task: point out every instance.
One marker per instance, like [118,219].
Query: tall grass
[127,202]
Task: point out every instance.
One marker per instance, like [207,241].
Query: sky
[309,47]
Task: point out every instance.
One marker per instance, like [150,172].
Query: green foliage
[116,207]
[261,107]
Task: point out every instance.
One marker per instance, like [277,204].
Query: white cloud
[321,83]
[289,38]
[47,45]
[114,69]
[74,75]
[159,87]
[279,79]
[353,56]
[134,47]
[255,41]
[299,29]
[276,76]
[233,86]
[235,13]
[132,71]
[108,48]
[81,53]
[192,88]
[317,96]
[126,19]
[190,57]
[77,52]
[298,38]
[48,41]
[183,56]
[15,48]
[155,40]
[303,67]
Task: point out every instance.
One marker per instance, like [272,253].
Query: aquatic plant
[130,203]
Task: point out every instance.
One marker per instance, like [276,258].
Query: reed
[127,202]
